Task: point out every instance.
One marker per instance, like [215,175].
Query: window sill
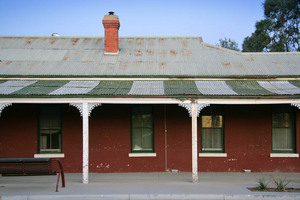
[133,155]
[284,155]
[50,155]
[212,154]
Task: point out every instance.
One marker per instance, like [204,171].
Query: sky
[210,19]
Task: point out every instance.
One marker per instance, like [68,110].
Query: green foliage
[262,184]
[260,39]
[280,184]
[229,44]
[279,31]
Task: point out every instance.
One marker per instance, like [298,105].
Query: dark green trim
[39,129]
[295,83]
[131,137]
[223,128]
[41,88]
[172,88]
[293,113]
[248,88]
[112,88]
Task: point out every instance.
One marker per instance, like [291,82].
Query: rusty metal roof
[138,57]
[53,88]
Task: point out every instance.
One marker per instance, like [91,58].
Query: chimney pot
[111,13]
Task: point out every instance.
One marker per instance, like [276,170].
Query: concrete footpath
[146,186]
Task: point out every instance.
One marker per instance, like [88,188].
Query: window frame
[206,112]
[60,130]
[131,130]
[292,112]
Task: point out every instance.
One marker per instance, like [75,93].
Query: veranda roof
[149,88]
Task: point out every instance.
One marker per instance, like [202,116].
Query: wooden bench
[31,167]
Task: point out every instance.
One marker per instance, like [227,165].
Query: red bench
[31,167]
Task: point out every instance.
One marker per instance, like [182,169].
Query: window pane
[212,129]
[142,128]
[212,139]
[147,139]
[281,120]
[147,121]
[50,117]
[282,139]
[50,128]
[137,138]
[212,121]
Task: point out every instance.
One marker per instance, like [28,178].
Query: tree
[279,31]
[229,44]
[259,40]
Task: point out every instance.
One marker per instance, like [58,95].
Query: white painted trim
[284,155]
[147,101]
[52,155]
[149,79]
[212,154]
[111,53]
[134,155]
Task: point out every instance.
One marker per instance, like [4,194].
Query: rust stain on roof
[162,65]
[130,41]
[251,59]
[173,52]
[27,42]
[138,52]
[52,41]
[75,41]
[7,62]
[140,41]
[226,64]
[186,52]
[184,43]
[149,52]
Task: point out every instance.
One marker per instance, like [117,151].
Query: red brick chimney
[111,25]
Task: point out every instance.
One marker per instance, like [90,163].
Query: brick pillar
[111,25]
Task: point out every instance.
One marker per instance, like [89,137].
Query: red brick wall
[247,139]
[18,131]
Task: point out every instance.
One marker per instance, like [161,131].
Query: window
[212,131]
[283,129]
[141,128]
[50,129]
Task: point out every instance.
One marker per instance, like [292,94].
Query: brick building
[148,104]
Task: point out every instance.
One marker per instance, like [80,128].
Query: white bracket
[189,107]
[296,105]
[91,106]
[4,105]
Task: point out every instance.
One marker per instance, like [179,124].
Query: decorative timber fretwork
[4,105]
[296,105]
[189,108]
[79,106]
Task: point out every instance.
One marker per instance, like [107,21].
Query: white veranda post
[85,110]
[194,110]
[85,143]
[194,144]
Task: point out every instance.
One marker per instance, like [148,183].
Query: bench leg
[57,182]
[62,174]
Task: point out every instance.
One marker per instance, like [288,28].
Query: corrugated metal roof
[279,87]
[19,88]
[214,88]
[147,88]
[138,56]
[75,87]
